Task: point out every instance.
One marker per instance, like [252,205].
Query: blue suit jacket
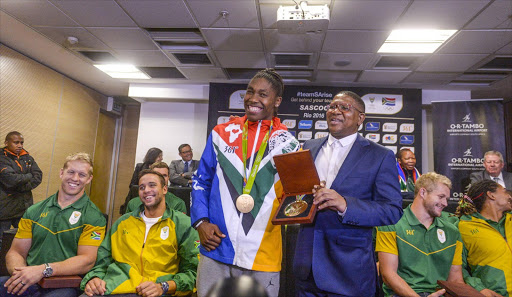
[339,251]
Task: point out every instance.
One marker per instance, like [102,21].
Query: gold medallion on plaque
[296,207]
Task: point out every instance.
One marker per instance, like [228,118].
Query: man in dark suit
[181,171]
[334,255]
[493,163]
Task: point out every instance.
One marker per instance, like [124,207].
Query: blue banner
[463,131]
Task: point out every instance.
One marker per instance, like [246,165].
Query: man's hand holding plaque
[327,198]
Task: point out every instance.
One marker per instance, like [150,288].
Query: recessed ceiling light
[122,71]
[415,41]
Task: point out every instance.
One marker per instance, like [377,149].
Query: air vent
[98,56]
[291,60]
[241,73]
[396,62]
[162,72]
[178,39]
[499,64]
[194,59]
[478,79]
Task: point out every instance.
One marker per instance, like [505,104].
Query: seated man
[493,164]
[407,172]
[57,236]
[422,247]
[151,253]
[174,202]
[181,171]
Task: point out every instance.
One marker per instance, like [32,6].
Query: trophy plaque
[298,176]
[454,289]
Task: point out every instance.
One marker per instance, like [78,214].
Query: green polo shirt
[424,255]
[172,201]
[57,232]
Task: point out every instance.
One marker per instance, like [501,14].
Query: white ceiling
[248,37]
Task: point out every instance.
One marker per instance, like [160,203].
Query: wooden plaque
[454,289]
[54,282]
[298,175]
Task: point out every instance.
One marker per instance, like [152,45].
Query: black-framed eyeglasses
[342,107]
[186,152]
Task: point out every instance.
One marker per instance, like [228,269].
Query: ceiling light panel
[415,41]
[122,71]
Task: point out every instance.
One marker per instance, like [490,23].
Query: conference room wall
[166,125]
[56,115]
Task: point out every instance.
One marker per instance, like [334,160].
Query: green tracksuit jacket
[169,253]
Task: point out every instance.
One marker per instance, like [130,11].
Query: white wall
[166,125]
[427,97]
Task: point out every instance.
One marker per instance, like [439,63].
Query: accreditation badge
[441,235]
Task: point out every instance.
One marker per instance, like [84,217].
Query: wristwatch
[165,287]
[48,270]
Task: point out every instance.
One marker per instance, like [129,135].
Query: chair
[7,239]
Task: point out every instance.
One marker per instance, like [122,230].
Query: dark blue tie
[186,167]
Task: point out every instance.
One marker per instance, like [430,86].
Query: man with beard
[334,256]
[19,175]
[151,251]
[57,236]
[181,171]
[422,247]
[407,172]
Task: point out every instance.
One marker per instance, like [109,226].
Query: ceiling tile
[431,77]
[124,38]
[144,58]
[354,41]
[336,76]
[202,73]
[296,43]
[379,76]
[357,14]
[493,16]
[97,13]
[159,13]
[356,61]
[85,39]
[448,15]
[506,50]
[450,63]
[477,42]
[241,14]
[230,59]
[233,39]
[37,13]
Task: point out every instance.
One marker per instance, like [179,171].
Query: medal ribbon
[248,182]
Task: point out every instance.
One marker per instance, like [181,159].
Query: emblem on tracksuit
[164,233]
[234,130]
[441,236]
[75,216]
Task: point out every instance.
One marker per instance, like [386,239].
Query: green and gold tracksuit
[169,253]
[487,253]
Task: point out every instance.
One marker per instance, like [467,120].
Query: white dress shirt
[331,156]
[499,179]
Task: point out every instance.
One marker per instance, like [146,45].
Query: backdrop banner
[463,132]
[393,116]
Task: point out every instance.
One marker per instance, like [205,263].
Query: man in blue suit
[334,255]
